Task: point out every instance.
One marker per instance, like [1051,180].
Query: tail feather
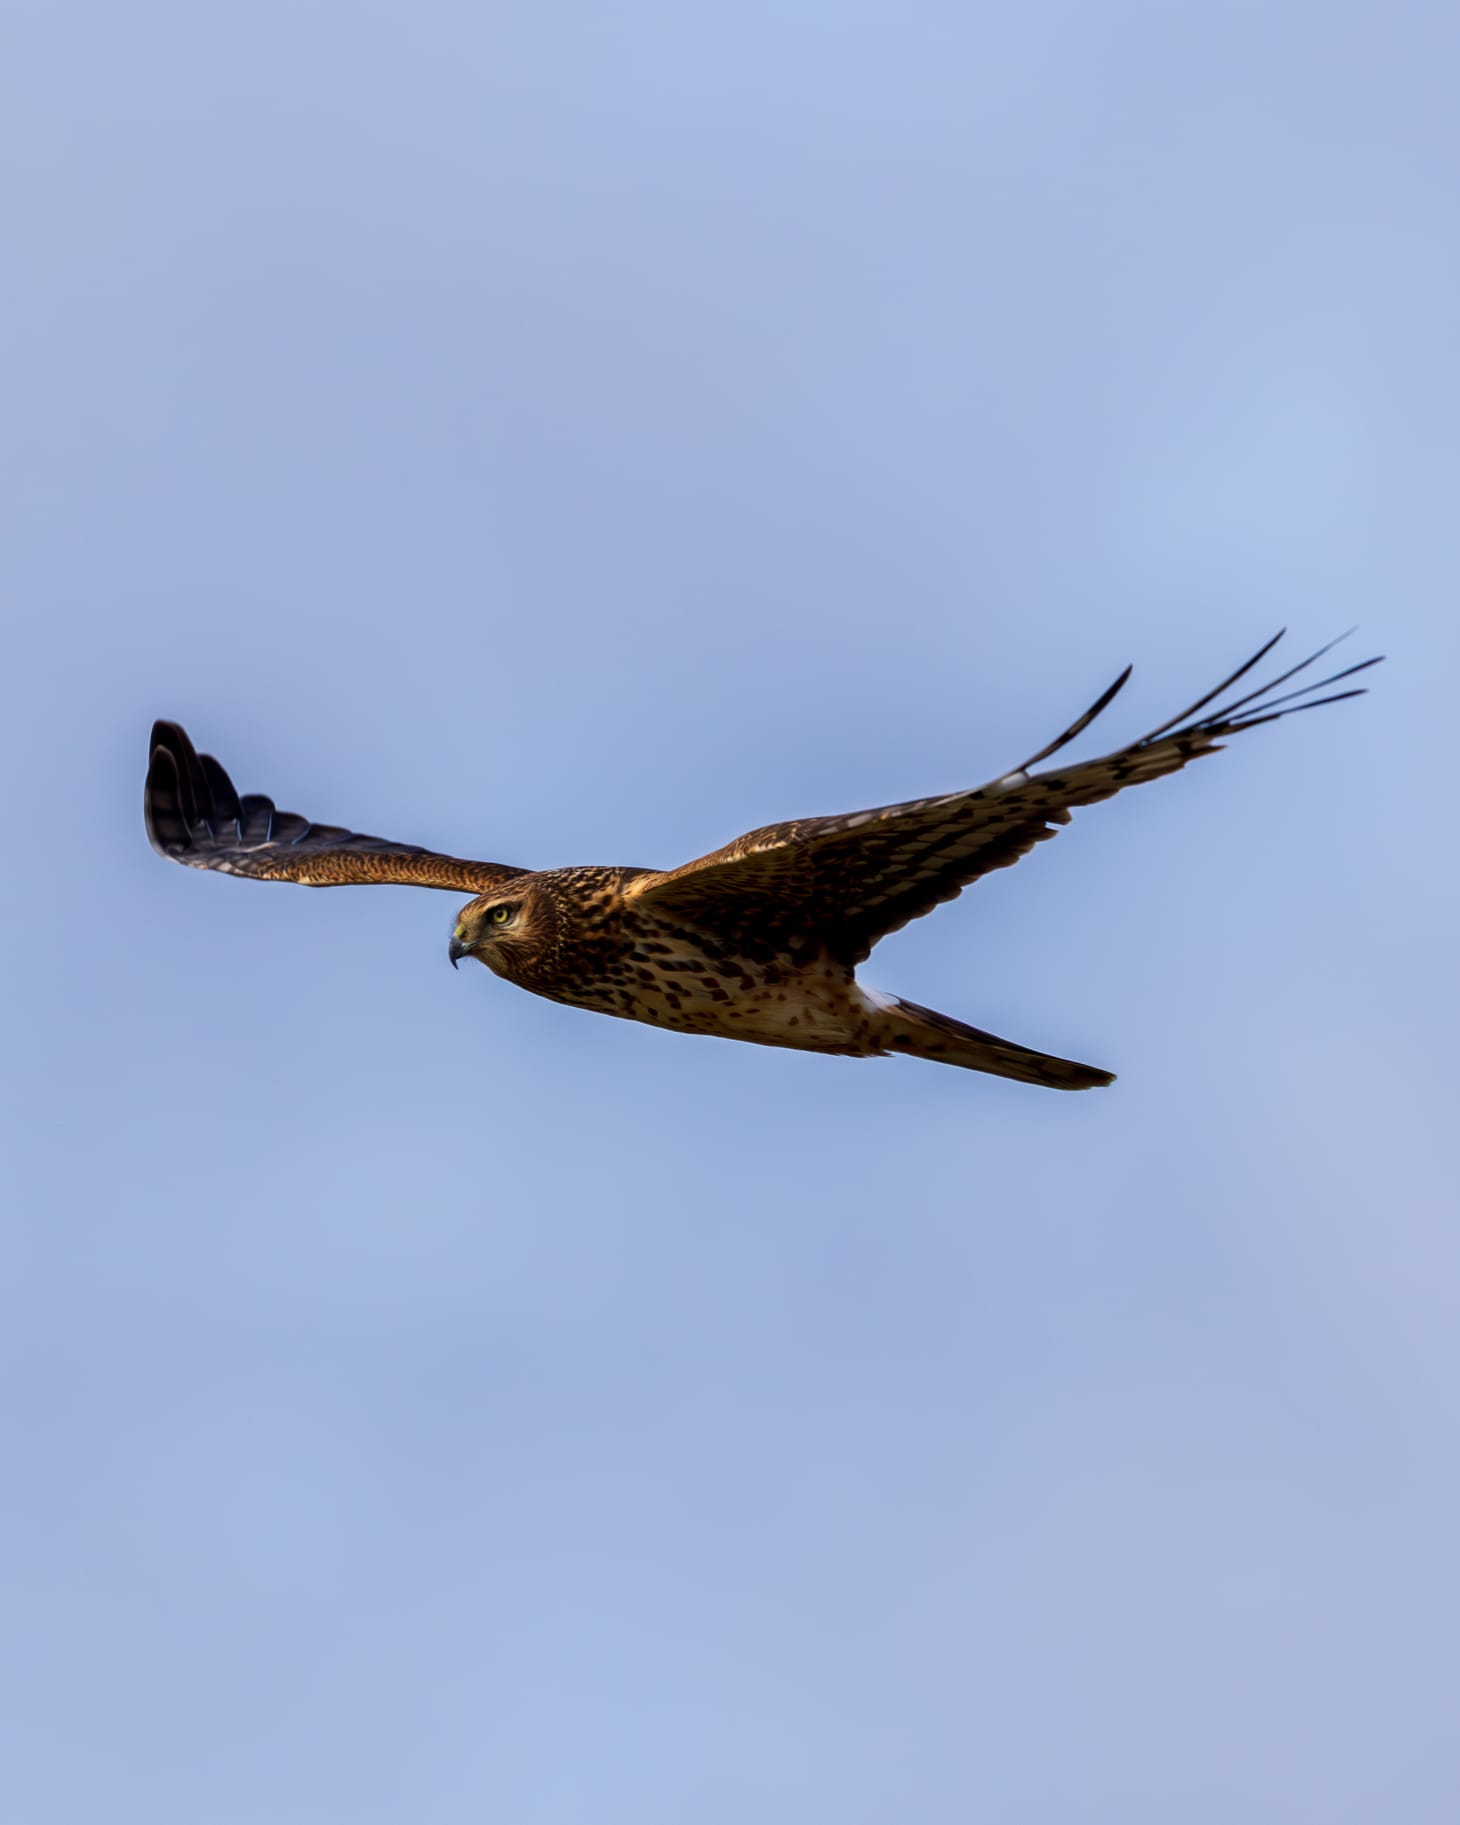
[919,1032]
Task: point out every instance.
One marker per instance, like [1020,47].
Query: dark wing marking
[195,816]
[848,881]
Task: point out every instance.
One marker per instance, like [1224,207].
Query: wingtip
[162,813]
[171,737]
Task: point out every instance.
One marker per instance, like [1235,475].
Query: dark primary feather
[195,816]
[848,881]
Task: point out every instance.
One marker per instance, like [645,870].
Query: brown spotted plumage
[759,940]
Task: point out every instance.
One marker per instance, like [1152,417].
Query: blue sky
[566,434]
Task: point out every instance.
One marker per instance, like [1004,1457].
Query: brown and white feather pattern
[856,877]
[194,816]
[756,941]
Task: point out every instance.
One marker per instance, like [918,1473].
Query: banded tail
[917,1032]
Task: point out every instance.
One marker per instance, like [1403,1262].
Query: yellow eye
[499,915]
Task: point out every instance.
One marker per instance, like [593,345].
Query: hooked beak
[457,949]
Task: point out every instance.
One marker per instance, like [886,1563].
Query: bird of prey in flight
[759,940]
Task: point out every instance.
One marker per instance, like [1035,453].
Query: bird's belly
[815,1014]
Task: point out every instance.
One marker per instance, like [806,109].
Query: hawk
[759,940]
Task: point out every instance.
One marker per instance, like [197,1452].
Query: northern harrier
[758,940]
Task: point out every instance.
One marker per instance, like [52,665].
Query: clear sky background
[573,433]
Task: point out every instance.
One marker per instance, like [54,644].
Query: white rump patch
[877,1001]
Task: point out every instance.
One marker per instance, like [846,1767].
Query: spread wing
[195,816]
[846,882]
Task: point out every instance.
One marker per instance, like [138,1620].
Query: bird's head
[503,928]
